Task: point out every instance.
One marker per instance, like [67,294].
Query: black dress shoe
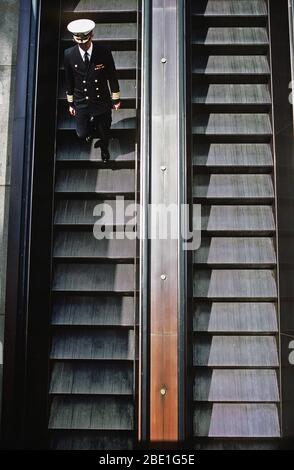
[89,139]
[105,155]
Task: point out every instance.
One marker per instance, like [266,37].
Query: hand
[72,111]
[116,106]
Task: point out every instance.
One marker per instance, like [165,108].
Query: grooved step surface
[91,440]
[228,317]
[232,124]
[232,155]
[236,351]
[226,385]
[109,181]
[72,149]
[216,36]
[113,6]
[91,379]
[241,218]
[230,65]
[237,420]
[85,245]
[83,211]
[234,284]
[122,119]
[230,8]
[92,311]
[111,32]
[231,94]
[116,278]
[91,413]
[93,344]
[233,187]
[236,251]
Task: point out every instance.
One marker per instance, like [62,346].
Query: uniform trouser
[95,126]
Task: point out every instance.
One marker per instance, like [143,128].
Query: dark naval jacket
[87,87]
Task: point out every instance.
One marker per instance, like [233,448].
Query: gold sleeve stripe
[70,98]
[116,96]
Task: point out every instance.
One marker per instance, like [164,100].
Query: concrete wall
[9,10]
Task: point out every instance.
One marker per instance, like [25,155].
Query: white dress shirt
[89,51]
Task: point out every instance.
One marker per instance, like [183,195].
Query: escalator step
[237,420]
[229,8]
[108,181]
[93,311]
[82,212]
[232,124]
[233,385]
[112,6]
[235,284]
[123,119]
[231,94]
[236,351]
[215,36]
[117,278]
[217,186]
[110,32]
[244,219]
[235,317]
[231,65]
[91,413]
[94,344]
[91,440]
[88,379]
[74,245]
[232,155]
[235,251]
[72,149]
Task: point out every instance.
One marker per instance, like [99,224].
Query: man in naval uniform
[89,68]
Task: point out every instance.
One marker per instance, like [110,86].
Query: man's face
[87,44]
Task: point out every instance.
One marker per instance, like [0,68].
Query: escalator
[93,316]
[235,361]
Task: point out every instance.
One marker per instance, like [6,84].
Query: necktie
[87,59]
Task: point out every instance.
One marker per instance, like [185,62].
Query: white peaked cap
[83,27]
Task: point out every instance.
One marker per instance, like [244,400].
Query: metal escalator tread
[216,36]
[231,65]
[233,155]
[94,298]
[92,344]
[235,317]
[234,314]
[114,278]
[232,124]
[83,245]
[122,150]
[236,351]
[233,420]
[93,311]
[112,6]
[88,379]
[92,413]
[79,213]
[240,218]
[96,181]
[230,8]
[232,94]
[236,252]
[121,119]
[247,284]
[219,186]
[236,385]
